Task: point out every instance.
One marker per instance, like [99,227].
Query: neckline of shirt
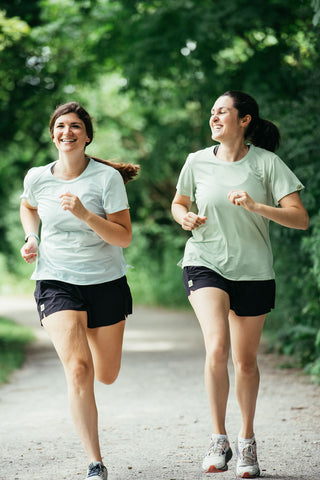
[72,179]
[238,162]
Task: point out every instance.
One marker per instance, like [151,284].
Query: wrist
[257,208]
[31,234]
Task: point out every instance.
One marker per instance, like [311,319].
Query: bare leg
[69,334]
[211,306]
[245,339]
[106,349]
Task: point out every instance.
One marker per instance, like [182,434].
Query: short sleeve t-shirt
[234,242]
[69,250]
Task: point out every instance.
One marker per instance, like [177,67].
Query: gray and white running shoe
[97,471]
[218,455]
[247,463]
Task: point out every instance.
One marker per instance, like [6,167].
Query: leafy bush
[13,340]
[155,278]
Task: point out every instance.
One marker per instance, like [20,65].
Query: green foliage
[154,276]
[311,244]
[13,340]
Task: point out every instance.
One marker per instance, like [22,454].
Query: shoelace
[95,470]
[217,447]
[248,454]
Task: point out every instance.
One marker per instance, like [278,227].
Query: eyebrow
[220,108]
[72,123]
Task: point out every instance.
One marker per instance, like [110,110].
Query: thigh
[211,306]
[245,336]
[67,331]
[106,348]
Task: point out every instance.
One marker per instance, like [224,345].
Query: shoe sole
[213,469]
[249,475]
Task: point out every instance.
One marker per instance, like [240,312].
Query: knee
[107,376]
[217,354]
[79,373]
[246,366]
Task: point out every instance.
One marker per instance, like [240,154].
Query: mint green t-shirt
[234,242]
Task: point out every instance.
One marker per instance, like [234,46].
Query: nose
[214,118]
[66,129]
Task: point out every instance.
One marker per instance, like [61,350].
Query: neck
[70,166]
[232,153]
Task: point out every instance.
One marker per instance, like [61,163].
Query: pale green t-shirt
[234,242]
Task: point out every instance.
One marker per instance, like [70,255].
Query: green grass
[13,340]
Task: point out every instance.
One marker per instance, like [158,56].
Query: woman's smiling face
[69,133]
[224,120]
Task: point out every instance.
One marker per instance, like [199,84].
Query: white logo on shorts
[42,307]
[190,283]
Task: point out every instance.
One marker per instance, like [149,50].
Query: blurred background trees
[149,72]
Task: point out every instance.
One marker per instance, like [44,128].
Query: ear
[246,120]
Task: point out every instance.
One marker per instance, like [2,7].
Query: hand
[191,221]
[72,203]
[242,199]
[29,250]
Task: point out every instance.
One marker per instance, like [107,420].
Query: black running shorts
[247,298]
[105,303]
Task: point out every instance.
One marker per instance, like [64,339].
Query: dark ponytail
[260,132]
[264,134]
[127,170]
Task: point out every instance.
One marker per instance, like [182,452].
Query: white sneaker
[247,463]
[97,471]
[218,455]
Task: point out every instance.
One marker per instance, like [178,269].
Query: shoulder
[37,173]
[264,160]
[105,177]
[200,155]
[264,155]
[106,171]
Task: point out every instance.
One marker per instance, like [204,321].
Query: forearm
[30,219]
[111,232]
[291,217]
[179,212]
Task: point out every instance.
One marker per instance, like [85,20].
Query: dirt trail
[154,421]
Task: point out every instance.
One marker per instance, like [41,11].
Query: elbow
[126,241]
[125,244]
[172,210]
[306,223]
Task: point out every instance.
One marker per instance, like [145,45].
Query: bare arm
[180,209]
[116,229]
[292,213]
[30,222]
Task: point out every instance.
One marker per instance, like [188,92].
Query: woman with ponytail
[238,186]
[81,292]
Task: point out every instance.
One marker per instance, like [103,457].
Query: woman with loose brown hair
[82,294]
[127,170]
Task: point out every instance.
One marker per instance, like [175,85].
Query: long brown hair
[127,170]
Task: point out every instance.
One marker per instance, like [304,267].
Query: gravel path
[154,421]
